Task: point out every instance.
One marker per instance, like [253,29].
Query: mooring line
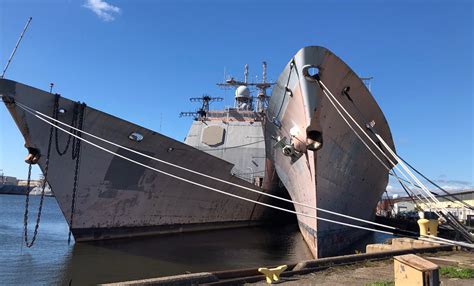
[327,92]
[214,189]
[232,195]
[443,211]
[205,175]
[247,199]
[367,146]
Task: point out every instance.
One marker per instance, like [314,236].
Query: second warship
[317,156]
[146,183]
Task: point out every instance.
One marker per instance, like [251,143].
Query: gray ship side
[116,198]
[318,158]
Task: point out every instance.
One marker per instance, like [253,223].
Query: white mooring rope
[201,174]
[423,188]
[370,149]
[368,137]
[204,186]
[32,112]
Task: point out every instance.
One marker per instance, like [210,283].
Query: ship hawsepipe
[318,158]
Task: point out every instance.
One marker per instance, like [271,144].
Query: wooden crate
[412,270]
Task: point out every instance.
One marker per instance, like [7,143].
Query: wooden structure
[412,270]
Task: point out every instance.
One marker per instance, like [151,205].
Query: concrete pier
[301,272]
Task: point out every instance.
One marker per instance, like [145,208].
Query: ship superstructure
[235,134]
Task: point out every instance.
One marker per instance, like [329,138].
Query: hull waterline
[116,198]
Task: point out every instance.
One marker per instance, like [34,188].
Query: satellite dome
[242,91]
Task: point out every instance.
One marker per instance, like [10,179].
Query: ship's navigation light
[62,110]
[135,136]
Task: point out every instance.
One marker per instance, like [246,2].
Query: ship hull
[341,176]
[116,198]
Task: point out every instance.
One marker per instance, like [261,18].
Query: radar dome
[242,91]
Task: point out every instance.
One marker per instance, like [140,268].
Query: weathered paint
[342,176]
[243,144]
[117,198]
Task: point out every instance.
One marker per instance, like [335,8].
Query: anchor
[33,156]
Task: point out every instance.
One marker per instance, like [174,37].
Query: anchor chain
[76,152]
[25,216]
[27,201]
[285,92]
[73,123]
[77,120]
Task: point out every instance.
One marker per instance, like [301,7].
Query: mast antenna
[202,112]
[264,72]
[262,98]
[246,73]
[16,47]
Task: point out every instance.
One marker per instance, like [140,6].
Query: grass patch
[381,283]
[456,272]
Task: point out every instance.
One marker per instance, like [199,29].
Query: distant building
[453,206]
[33,183]
[8,180]
[11,185]
[405,205]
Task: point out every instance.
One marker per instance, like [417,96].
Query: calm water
[52,262]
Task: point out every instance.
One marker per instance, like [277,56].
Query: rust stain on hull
[115,195]
[341,176]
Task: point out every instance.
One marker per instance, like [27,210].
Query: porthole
[135,136]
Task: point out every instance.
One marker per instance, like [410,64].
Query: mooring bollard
[433,227]
[423,224]
[272,274]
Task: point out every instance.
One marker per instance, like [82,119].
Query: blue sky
[142,60]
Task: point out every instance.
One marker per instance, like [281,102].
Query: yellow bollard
[433,227]
[423,224]
[272,274]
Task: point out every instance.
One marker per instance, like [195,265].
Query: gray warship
[148,183]
[103,196]
[318,158]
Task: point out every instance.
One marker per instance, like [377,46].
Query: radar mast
[243,98]
[201,113]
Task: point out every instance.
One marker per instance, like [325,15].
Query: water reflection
[119,260]
[52,262]
[44,263]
